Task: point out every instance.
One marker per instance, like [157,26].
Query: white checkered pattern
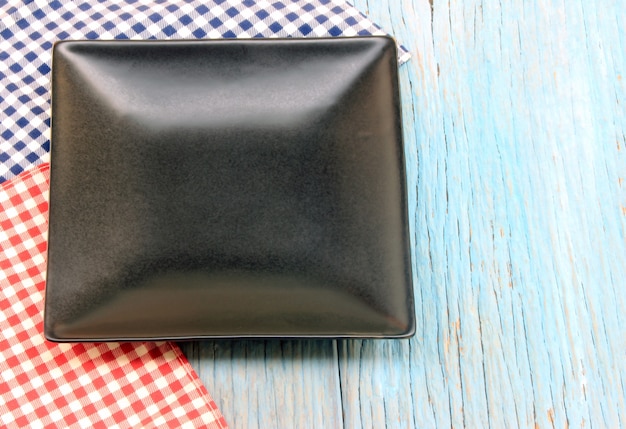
[28,29]
[90,385]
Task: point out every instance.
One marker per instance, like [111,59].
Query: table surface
[515,123]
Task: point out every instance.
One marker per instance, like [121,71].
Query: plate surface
[209,189]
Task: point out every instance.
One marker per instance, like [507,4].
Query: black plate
[208,189]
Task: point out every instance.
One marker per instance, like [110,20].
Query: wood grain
[281,384]
[515,132]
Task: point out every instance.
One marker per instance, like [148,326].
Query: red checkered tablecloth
[88,385]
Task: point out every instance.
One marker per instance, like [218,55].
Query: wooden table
[515,123]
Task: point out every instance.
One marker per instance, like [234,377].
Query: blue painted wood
[515,127]
[266,384]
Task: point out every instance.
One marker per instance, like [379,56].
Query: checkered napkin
[104,385]
[29,28]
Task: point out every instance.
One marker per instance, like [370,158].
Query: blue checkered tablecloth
[28,30]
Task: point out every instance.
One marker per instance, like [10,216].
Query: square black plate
[227,189]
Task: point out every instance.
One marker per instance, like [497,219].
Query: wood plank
[271,384]
[515,128]
[520,249]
